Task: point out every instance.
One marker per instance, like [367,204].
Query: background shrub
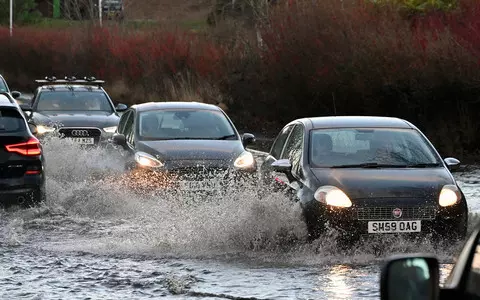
[25,11]
[308,58]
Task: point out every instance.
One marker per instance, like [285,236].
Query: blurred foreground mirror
[409,278]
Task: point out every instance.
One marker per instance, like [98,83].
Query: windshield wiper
[377,165]
[369,165]
[225,137]
[423,165]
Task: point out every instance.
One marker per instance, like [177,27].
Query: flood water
[95,238]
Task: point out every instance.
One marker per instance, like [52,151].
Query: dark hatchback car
[367,176]
[186,141]
[80,110]
[22,177]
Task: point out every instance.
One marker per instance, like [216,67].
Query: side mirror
[452,163]
[119,139]
[282,165]
[248,139]
[33,128]
[16,94]
[121,107]
[410,277]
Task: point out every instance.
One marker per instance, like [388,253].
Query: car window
[73,101]
[11,121]
[184,124]
[345,146]
[473,282]
[123,121]
[294,148]
[129,129]
[3,85]
[279,142]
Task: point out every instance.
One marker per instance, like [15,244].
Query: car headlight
[449,195]
[41,129]
[110,129]
[146,160]
[333,196]
[244,160]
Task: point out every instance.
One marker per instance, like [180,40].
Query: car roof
[70,87]
[355,121]
[174,105]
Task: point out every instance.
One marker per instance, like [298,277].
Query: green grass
[195,25]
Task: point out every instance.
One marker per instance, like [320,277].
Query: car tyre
[315,227]
[452,233]
[35,199]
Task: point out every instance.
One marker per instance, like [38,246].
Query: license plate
[394,226]
[83,141]
[199,185]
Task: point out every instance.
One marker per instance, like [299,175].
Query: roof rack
[10,98]
[70,80]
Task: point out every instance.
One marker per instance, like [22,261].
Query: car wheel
[35,198]
[315,226]
[452,233]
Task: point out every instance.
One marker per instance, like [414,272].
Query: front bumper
[187,181]
[90,137]
[417,218]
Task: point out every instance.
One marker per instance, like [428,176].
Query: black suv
[22,178]
[80,110]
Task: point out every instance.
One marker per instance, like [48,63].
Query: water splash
[94,210]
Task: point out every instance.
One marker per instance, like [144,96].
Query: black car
[367,176]
[417,275]
[4,88]
[188,142]
[80,110]
[22,178]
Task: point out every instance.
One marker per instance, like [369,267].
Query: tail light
[28,148]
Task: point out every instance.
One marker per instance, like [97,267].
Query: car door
[123,121]
[129,131]
[463,281]
[293,151]
[274,154]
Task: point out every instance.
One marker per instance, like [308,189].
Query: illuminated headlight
[333,196]
[146,160]
[110,129]
[244,161]
[449,195]
[44,129]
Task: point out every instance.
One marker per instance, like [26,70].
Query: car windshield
[352,147]
[11,121]
[73,101]
[184,124]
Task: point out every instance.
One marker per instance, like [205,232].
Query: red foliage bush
[353,57]
[108,53]
[316,58]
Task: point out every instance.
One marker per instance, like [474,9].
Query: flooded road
[97,239]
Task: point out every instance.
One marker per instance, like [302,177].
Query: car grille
[386,213]
[196,173]
[80,132]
